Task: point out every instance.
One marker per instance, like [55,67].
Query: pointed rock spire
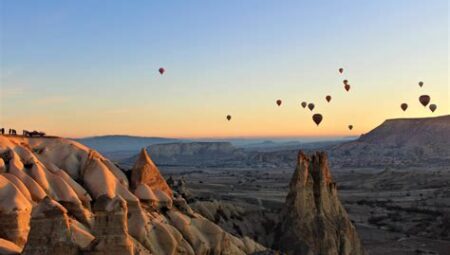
[145,172]
[313,220]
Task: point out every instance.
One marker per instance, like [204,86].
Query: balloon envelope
[317,118]
[345,82]
[228,117]
[161,70]
[278,102]
[311,106]
[420,83]
[328,98]
[341,70]
[404,106]
[433,107]
[424,100]
[304,104]
[347,87]
[350,127]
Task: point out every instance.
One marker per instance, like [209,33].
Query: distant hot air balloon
[304,104]
[420,83]
[341,70]
[317,118]
[404,106]
[424,100]
[311,106]
[279,102]
[228,117]
[345,82]
[350,127]
[161,70]
[433,107]
[347,87]
[328,98]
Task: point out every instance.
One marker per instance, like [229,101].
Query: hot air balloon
[404,106]
[304,104]
[424,100]
[433,107]
[345,82]
[350,127]
[228,117]
[279,102]
[420,83]
[328,98]
[341,70]
[317,118]
[347,87]
[161,70]
[311,106]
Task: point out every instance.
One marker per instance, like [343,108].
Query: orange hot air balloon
[304,104]
[311,106]
[345,82]
[341,70]
[161,70]
[228,117]
[347,87]
[328,98]
[420,83]
[317,118]
[424,100]
[433,107]
[350,127]
[279,102]
[404,106]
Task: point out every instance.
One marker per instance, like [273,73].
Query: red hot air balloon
[161,70]
[350,127]
[341,70]
[420,83]
[347,87]
[404,106]
[279,102]
[311,106]
[304,104]
[228,117]
[345,82]
[328,98]
[424,100]
[317,118]
[433,107]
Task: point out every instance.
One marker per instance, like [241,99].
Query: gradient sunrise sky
[82,68]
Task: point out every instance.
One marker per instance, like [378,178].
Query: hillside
[398,142]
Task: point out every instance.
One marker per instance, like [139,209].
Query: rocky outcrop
[148,184]
[52,232]
[313,220]
[110,228]
[54,181]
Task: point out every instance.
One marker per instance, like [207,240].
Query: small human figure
[2,131]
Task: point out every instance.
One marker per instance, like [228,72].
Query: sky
[90,67]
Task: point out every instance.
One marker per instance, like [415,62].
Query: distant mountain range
[396,142]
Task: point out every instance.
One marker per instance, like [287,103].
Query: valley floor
[395,211]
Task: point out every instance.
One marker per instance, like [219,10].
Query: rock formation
[313,221]
[54,181]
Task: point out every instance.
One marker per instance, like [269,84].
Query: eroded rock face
[110,228]
[55,181]
[313,220]
[52,232]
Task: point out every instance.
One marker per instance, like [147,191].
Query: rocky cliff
[313,220]
[398,142]
[60,197]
